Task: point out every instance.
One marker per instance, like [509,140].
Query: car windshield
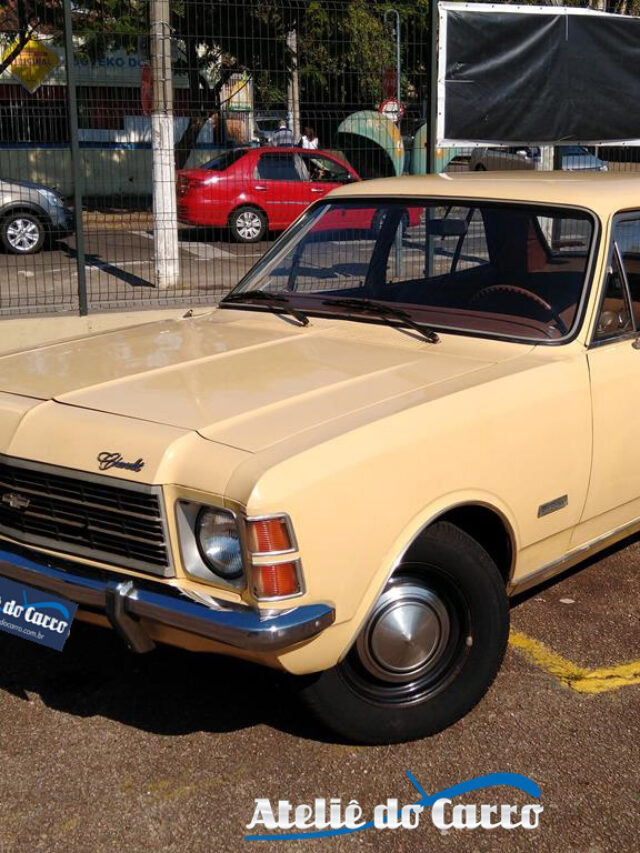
[501,270]
[224,160]
[575,150]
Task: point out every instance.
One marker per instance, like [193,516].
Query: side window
[615,315]
[278,167]
[324,169]
[627,237]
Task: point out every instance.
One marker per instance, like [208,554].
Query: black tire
[22,233]
[248,224]
[480,168]
[463,591]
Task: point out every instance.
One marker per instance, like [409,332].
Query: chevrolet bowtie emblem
[15,500]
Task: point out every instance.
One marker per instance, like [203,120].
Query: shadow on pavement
[105,266]
[168,691]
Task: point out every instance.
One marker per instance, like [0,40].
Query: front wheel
[428,652]
[248,225]
[22,233]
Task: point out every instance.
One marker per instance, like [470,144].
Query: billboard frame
[446,6]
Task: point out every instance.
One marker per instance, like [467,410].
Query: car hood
[248,379]
[30,185]
[581,162]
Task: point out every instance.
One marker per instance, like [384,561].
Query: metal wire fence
[255,110]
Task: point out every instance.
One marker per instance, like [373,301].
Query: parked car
[254,190]
[346,469]
[575,158]
[31,215]
[265,125]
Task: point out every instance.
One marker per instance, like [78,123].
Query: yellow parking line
[570,674]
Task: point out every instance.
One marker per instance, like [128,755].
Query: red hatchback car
[254,190]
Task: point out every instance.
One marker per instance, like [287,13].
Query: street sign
[33,64]
[391,109]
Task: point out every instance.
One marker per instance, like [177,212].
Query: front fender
[333,645]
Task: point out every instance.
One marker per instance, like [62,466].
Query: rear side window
[627,237]
[614,318]
[278,167]
[223,161]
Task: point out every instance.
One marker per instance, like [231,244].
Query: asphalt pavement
[103,750]
[120,269]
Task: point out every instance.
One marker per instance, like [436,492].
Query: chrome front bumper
[125,601]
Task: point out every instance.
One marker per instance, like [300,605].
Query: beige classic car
[419,402]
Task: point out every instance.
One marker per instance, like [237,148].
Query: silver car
[573,158]
[30,215]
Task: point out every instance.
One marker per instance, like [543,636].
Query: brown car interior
[524,288]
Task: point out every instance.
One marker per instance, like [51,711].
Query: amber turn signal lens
[269,536]
[275,581]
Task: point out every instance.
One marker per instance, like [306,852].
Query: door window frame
[615,256]
[272,155]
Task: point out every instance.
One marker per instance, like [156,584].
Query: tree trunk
[24,34]
[204,102]
[188,141]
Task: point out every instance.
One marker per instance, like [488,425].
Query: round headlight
[219,542]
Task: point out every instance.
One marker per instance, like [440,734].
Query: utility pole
[165,212]
[293,89]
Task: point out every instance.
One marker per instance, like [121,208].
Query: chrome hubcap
[22,234]
[248,225]
[406,635]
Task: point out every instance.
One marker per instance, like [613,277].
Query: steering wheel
[527,294]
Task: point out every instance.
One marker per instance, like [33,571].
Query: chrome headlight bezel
[194,561]
[227,535]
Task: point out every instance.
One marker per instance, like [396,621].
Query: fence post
[76,164]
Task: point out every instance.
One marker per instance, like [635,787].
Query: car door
[279,187]
[325,174]
[613,499]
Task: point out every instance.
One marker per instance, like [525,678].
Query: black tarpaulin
[546,78]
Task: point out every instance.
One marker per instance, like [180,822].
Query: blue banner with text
[35,615]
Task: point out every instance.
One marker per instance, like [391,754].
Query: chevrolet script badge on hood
[108,460]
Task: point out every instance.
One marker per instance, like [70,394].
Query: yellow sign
[239,93]
[33,64]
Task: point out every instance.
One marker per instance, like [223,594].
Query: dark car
[30,216]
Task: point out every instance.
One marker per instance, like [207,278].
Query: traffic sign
[392,109]
[33,64]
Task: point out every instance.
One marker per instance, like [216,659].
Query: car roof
[603,192]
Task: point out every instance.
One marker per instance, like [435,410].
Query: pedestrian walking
[309,138]
[282,136]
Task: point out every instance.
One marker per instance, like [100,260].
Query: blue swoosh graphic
[54,604]
[489,780]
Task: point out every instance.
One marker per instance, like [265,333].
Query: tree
[99,25]
[343,46]
[216,39]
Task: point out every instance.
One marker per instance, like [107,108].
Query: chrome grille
[114,522]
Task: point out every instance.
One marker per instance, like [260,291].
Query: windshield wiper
[273,301]
[382,309]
